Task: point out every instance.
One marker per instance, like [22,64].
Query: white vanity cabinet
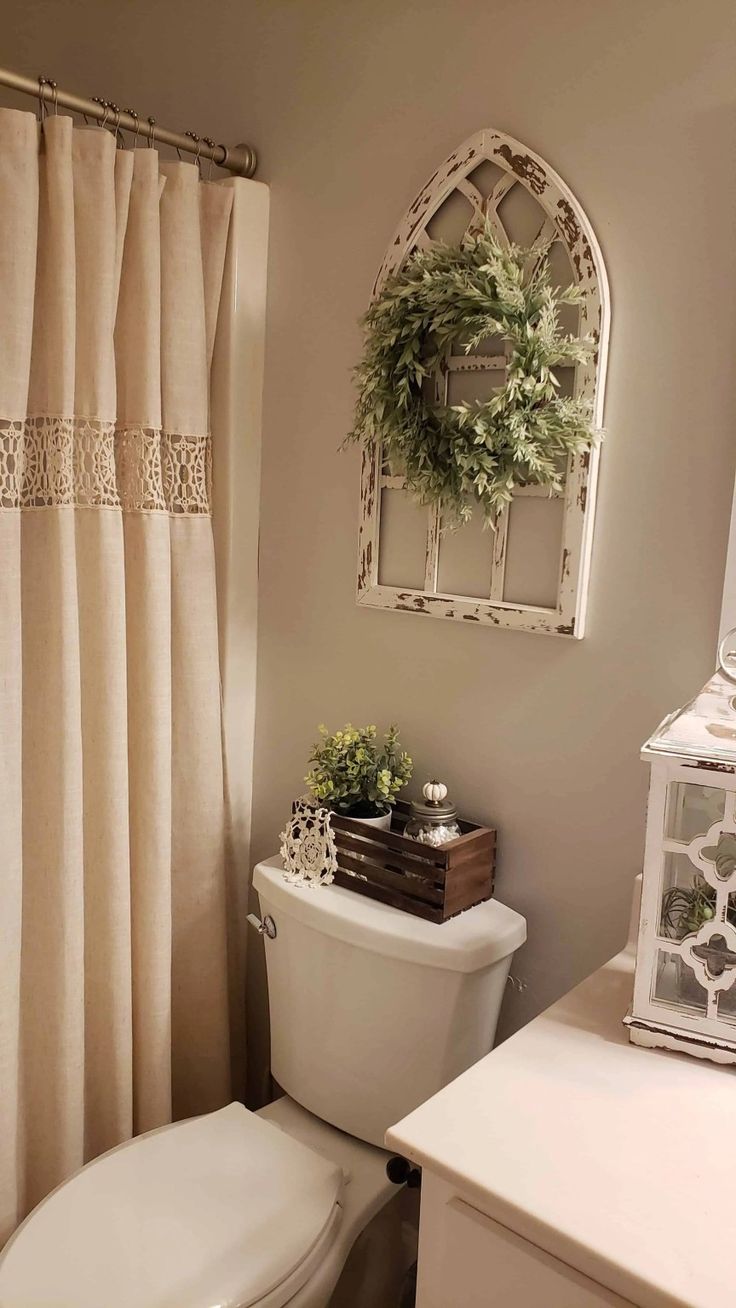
[555,1172]
[467,1259]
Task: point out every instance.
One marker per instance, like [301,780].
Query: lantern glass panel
[727,1006]
[687,899]
[692,810]
[676,986]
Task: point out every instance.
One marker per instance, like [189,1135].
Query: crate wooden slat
[387,879]
[402,864]
[430,882]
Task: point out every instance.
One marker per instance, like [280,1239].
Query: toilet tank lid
[474,939]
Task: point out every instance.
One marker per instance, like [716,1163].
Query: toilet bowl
[371,1012]
[234,1208]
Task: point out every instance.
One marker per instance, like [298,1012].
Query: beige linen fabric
[113,975]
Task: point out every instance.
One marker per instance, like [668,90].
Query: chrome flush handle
[267,927]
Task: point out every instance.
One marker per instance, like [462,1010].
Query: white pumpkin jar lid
[435,806]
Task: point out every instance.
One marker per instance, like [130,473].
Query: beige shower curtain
[113,977]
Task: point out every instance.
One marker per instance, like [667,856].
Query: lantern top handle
[727,655]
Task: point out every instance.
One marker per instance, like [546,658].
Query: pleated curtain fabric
[113,970]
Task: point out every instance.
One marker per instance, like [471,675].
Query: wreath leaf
[458,455]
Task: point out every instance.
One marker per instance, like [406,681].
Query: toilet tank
[373,1010]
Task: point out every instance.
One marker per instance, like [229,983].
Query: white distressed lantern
[685,984]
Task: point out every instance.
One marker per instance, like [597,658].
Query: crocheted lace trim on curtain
[47,462]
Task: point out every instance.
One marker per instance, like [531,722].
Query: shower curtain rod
[238,159]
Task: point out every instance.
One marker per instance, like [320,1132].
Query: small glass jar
[433,820]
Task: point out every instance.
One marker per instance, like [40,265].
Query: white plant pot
[382,822]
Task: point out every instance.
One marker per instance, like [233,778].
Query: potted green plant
[358,776]
[685,909]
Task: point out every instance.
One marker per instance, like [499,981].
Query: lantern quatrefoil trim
[713,854]
[722,856]
[712,962]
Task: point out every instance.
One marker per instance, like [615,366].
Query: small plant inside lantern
[685,983]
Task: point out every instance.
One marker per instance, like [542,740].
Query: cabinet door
[466,1260]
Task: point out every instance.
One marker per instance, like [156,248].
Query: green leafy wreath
[478,452]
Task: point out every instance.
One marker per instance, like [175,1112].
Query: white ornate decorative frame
[564,220]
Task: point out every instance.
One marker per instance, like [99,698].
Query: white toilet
[372,1011]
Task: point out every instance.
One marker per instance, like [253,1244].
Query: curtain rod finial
[240,159]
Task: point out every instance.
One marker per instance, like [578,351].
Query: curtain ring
[119,139]
[55,98]
[134,116]
[96,99]
[106,106]
[209,142]
[193,136]
[151,133]
[43,82]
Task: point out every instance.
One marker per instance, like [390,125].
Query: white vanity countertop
[618,1160]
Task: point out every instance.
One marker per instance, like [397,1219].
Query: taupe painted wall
[352,105]
[634,105]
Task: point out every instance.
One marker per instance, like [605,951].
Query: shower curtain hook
[151,133]
[209,142]
[106,106]
[119,139]
[55,98]
[134,116]
[43,82]
[193,136]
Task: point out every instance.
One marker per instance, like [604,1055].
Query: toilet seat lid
[221,1211]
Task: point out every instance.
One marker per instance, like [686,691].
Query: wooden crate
[434,883]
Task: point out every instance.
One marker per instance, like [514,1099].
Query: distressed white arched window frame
[528,203]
